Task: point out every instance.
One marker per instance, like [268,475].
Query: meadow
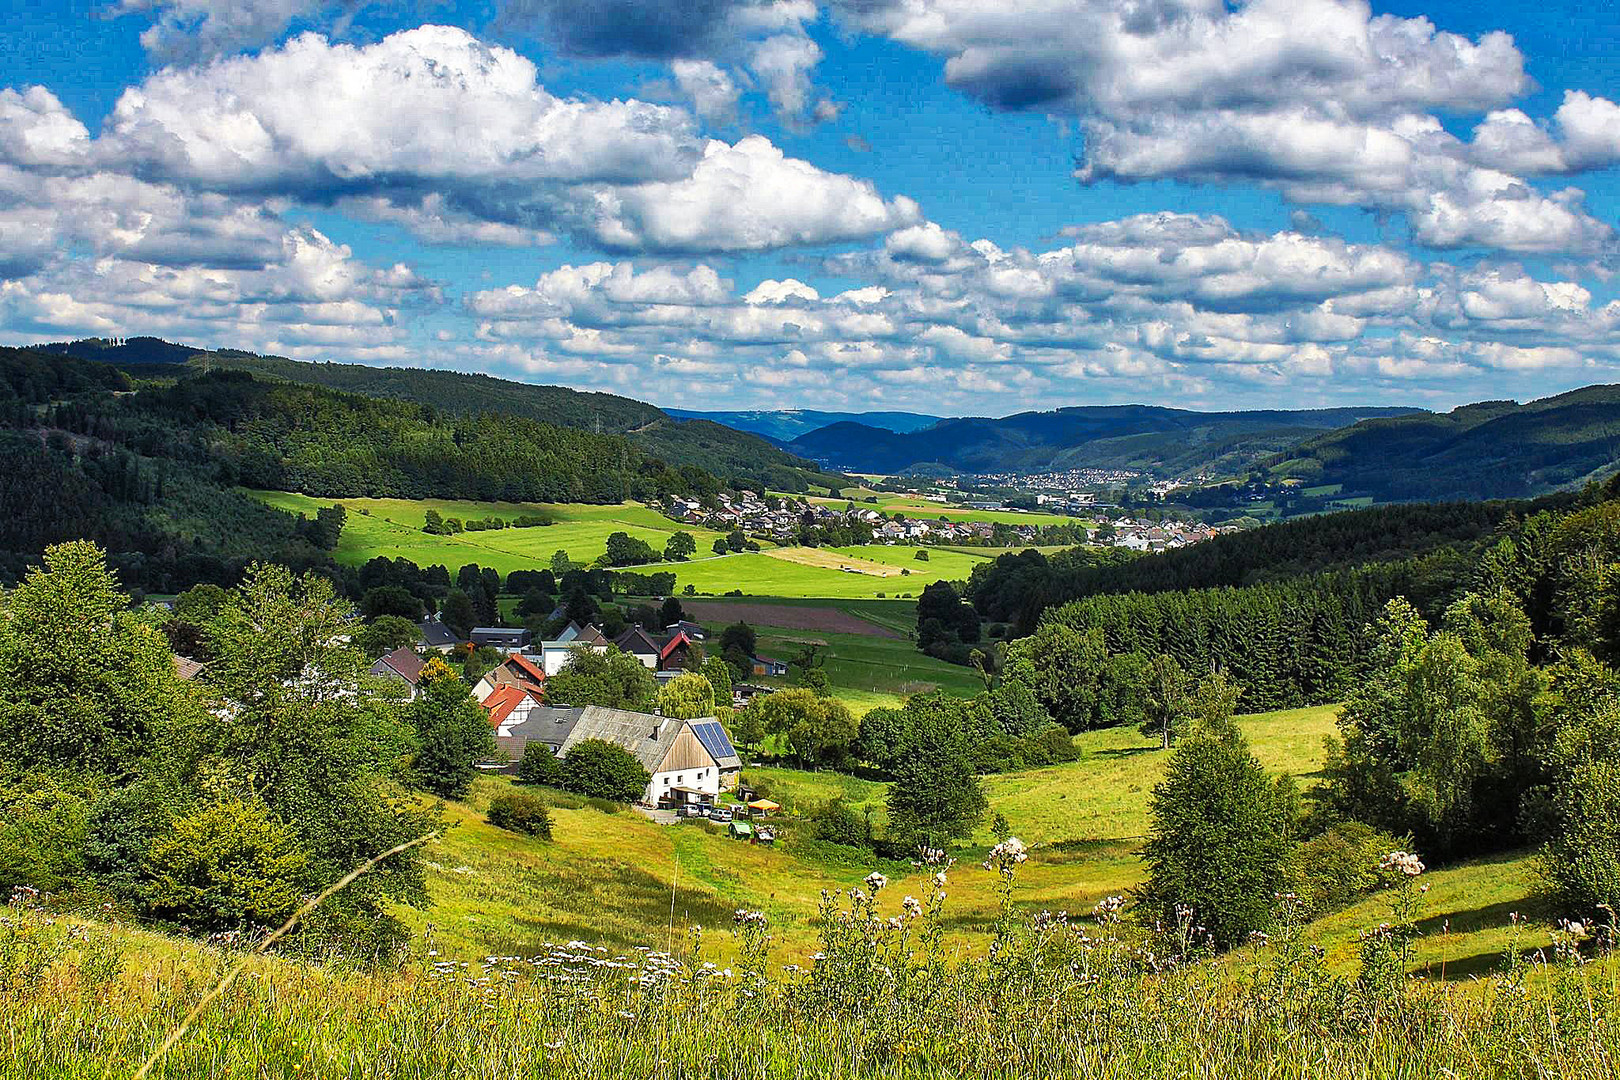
[659,974]
[393,528]
[608,878]
[916,507]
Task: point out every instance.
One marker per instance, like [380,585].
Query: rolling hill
[1172,442]
[1490,450]
[722,450]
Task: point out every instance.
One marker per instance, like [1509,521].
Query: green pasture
[608,877]
[878,664]
[393,528]
[914,507]
[951,564]
[760,575]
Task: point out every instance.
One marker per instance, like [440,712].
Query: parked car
[720,813]
[691,810]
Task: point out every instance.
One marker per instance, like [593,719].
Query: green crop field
[393,528]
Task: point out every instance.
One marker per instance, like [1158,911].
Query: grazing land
[872,665]
[607,877]
[393,528]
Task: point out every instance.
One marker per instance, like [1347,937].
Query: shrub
[519,811]
[539,766]
[835,822]
[1334,869]
[225,866]
[601,770]
[1581,864]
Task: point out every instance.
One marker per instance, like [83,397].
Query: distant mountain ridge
[785,425]
[1146,438]
[720,449]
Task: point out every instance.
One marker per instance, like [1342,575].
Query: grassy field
[777,573]
[887,667]
[91,997]
[393,527]
[608,877]
[899,616]
[914,507]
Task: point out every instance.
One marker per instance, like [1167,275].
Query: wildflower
[1402,862]
[1006,855]
[1258,937]
[940,880]
[875,881]
[911,906]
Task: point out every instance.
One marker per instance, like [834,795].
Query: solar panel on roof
[714,739]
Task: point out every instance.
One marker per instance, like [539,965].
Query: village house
[509,705]
[770,667]
[555,654]
[436,636]
[518,670]
[402,665]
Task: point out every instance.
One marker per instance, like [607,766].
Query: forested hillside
[1491,450]
[1172,442]
[150,474]
[1016,587]
[734,455]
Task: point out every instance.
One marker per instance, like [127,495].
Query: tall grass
[1054,995]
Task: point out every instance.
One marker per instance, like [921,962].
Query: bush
[601,770]
[1338,867]
[539,766]
[836,822]
[519,811]
[1581,864]
[224,867]
[1218,842]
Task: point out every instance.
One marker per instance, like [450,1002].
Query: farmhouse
[402,665]
[689,760]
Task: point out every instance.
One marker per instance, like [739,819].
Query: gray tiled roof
[646,736]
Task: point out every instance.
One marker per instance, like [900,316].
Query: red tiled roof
[679,638]
[528,667]
[503,700]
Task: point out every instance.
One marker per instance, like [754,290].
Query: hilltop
[785,425]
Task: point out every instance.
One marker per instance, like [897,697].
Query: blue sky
[949,206]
